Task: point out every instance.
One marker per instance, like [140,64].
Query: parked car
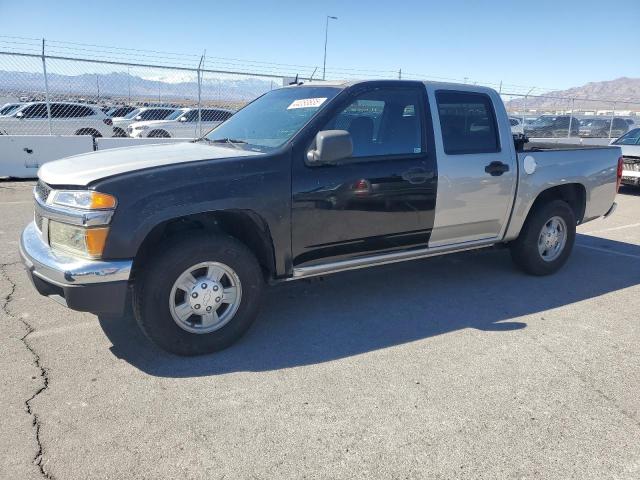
[120,111]
[7,108]
[196,230]
[630,146]
[601,127]
[553,126]
[516,126]
[66,119]
[182,124]
[120,124]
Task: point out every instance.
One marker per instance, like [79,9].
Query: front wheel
[546,240]
[199,295]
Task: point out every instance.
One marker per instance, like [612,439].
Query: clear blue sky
[544,43]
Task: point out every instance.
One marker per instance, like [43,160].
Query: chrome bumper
[62,270]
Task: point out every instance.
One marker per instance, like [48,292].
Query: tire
[156,289]
[89,131]
[525,250]
[119,132]
[158,134]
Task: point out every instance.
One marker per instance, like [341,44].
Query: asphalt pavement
[451,367]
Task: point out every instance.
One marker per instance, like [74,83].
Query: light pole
[326,35]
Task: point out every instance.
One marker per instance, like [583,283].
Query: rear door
[476,167]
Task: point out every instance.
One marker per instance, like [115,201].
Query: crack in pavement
[38,459]
[585,380]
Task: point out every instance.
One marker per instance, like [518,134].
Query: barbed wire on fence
[153,83]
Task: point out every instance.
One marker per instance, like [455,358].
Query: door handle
[495,169]
[417,175]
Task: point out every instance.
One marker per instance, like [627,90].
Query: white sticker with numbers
[306,103]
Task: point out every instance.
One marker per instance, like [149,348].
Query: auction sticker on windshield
[306,103]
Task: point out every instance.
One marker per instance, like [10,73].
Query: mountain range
[121,84]
[181,86]
[624,91]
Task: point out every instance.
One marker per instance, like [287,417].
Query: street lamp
[326,33]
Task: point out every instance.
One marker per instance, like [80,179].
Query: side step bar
[383,259]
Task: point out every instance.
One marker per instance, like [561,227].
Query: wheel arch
[575,194]
[245,226]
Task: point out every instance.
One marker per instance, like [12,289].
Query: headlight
[84,199]
[87,242]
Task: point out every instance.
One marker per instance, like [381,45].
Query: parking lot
[465,368]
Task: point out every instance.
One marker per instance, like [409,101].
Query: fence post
[613,115]
[46,88]
[571,118]
[200,94]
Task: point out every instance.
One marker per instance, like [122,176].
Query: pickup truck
[306,180]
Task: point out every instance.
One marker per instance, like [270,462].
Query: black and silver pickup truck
[306,180]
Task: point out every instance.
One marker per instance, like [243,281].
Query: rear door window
[39,110]
[468,123]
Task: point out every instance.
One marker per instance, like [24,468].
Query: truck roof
[350,83]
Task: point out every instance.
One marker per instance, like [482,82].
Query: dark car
[601,127]
[553,126]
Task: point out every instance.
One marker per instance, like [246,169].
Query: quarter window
[468,123]
[382,122]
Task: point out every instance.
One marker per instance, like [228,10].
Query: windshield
[176,114]
[271,120]
[7,109]
[120,111]
[632,137]
[133,113]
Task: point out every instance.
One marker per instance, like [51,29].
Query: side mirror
[331,147]
[19,115]
[138,118]
[182,119]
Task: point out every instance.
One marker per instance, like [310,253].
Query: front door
[383,197]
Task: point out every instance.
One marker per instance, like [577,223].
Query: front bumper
[98,286]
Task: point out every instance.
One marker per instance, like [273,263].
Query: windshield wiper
[231,141]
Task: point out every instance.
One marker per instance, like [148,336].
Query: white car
[184,125]
[516,126]
[629,143]
[120,124]
[66,119]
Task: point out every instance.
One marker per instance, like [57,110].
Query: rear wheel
[159,134]
[119,132]
[89,131]
[546,240]
[199,295]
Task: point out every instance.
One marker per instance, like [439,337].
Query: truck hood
[83,169]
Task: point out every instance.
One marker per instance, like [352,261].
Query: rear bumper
[96,286]
[630,177]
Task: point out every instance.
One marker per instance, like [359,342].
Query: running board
[383,259]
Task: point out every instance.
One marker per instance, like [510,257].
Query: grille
[42,191]
[634,167]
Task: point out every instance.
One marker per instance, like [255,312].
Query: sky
[546,44]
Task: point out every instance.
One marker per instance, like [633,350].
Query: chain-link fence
[63,88]
[48,94]
[558,117]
